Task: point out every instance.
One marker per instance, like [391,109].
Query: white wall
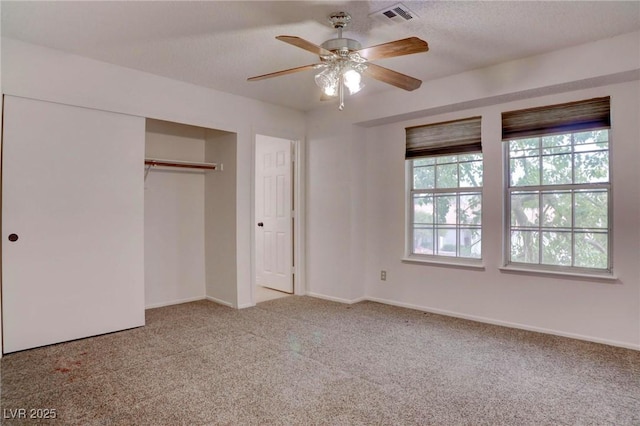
[356,176]
[336,237]
[174,216]
[41,73]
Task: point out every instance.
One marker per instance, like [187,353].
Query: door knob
[260,224]
[13,237]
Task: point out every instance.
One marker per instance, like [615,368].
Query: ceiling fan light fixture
[353,81]
[343,61]
[327,80]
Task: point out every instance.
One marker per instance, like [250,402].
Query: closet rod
[183,164]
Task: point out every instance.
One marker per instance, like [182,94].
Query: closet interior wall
[175,222]
[221,200]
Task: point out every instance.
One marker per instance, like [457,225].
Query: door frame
[298,205]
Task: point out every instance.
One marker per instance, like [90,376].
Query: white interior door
[72,195]
[274,230]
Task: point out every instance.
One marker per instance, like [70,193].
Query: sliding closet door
[72,223]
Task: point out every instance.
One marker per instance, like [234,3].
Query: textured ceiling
[219,44]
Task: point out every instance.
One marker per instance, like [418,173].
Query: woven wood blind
[451,137]
[561,118]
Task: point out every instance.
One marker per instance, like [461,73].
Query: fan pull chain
[341,92]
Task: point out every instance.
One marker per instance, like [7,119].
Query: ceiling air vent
[394,15]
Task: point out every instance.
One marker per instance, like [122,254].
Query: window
[558,187]
[444,166]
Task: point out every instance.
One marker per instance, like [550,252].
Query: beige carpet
[305,361]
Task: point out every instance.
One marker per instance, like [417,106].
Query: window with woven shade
[558,187]
[444,181]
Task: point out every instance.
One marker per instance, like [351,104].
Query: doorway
[275,172]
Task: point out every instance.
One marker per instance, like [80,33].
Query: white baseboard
[336,299]
[506,323]
[219,301]
[246,305]
[174,302]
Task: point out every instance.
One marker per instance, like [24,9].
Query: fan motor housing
[338,45]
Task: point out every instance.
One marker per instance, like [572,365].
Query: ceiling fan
[343,61]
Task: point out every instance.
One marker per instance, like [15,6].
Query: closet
[89,241]
[187,211]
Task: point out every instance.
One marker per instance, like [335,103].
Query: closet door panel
[72,193]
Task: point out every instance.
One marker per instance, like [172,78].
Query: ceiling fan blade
[283,72]
[391,77]
[306,45]
[405,46]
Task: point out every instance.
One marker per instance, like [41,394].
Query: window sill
[463,264]
[563,274]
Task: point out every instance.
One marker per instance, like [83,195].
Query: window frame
[410,191]
[572,188]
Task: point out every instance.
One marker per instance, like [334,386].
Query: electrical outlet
[383,275]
